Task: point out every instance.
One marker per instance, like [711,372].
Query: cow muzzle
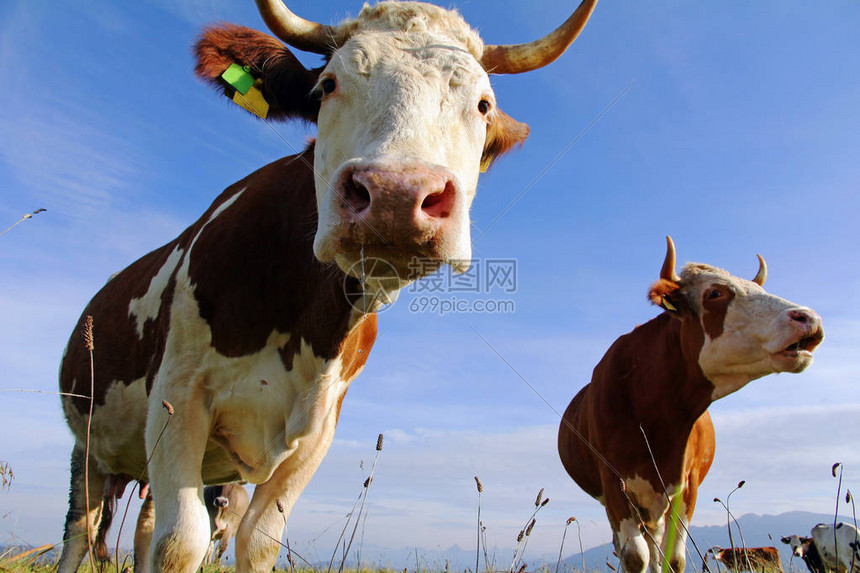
[408,213]
[806,334]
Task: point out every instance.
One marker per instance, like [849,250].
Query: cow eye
[484,107]
[328,85]
[713,294]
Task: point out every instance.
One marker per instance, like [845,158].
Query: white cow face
[402,127]
[797,544]
[748,333]
[745,332]
[406,118]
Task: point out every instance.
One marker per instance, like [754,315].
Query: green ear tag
[668,305]
[239,77]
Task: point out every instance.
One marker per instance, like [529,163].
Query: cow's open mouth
[804,346]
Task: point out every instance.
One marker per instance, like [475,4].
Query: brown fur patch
[503,134]
[660,289]
[355,351]
[714,310]
[286,83]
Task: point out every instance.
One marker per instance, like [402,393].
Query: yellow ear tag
[253,101]
[668,305]
[485,163]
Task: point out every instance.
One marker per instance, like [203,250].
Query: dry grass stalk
[90,346]
[729,518]
[362,498]
[525,532]
[290,561]
[478,548]
[7,563]
[850,499]
[167,406]
[563,536]
[6,475]
[836,511]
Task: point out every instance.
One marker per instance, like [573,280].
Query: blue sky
[739,134]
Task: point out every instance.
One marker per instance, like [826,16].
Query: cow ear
[503,134]
[666,294]
[270,72]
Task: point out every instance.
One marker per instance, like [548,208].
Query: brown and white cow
[718,332]
[240,325]
[226,505]
[752,559]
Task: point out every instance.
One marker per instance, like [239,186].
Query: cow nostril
[799,316]
[354,195]
[439,205]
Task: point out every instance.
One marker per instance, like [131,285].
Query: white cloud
[69,165]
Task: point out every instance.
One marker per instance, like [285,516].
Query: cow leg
[75,533]
[207,559]
[676,554]
[181,531]
[654,538]
[143,535]
[260,531]
[258,539]
[222,547]
[631,545]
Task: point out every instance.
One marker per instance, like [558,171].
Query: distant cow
[839,547]
[225,354]
[226,505]
[718,332]
[829,548]
[753,559]
[804,548]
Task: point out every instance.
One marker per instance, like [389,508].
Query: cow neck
[265,277]
[670,390]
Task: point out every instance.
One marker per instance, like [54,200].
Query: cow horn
[668,270]
[296,31]
[761,275]
[519,58]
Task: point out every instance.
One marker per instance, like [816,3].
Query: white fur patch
[258,410]
[425,89]
[147,307]
[116,430]
[653,502]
